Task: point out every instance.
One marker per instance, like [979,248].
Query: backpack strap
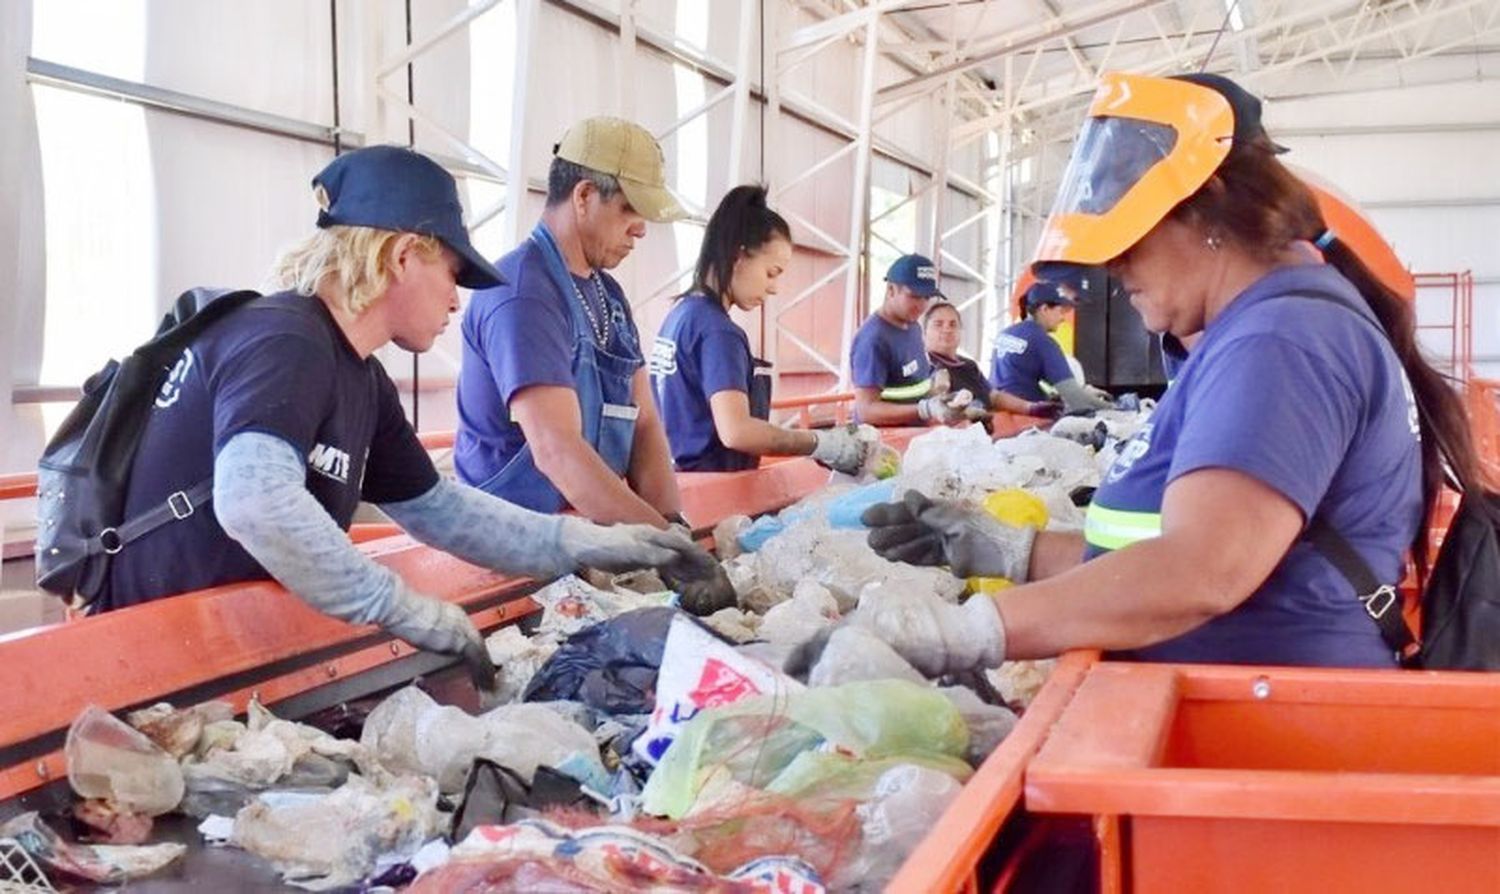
[1381,601]
[178,506]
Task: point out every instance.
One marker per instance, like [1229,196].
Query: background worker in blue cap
[282,406]
[1027,357]
[888,362]
[555,408]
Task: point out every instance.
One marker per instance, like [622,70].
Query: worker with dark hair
[715,395]
[554,404]
[1303,407]
[1027,357]
[942,328]
[887,362]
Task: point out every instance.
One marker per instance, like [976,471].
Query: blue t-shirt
[885,355]
[1308,398]
[278,366]
[1024,356]
[699,352]
[518,335]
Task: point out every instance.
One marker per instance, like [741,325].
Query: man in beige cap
[555,408]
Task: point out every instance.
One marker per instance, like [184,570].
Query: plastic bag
[757,742]
[610,666]
[100,863]
[411,733]
[518,657]
[327,841]
[570,604]
[854,654]
[988,724]
[534,855]
[812,608]
[495,795]
[907,802]
[700,671]
[111,761]
[842,561]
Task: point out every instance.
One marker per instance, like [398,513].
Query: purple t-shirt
[1024,356]
[1306,397]
[699,352]
[278,366]
[517,335]
[885,355]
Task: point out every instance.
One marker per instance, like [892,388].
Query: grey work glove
[934,636]
[919,531]
[437,626]
[936,408]
[620,548]
[1078,397]
[841,449]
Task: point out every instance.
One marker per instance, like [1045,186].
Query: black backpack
[1460,603]
[84,472]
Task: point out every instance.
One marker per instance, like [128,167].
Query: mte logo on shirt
[1010,344]
[330,462]
[911,367]
[663,356]
[171,389]
[1133,450]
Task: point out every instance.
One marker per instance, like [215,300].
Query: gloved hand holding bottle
[842,449]
[920,531]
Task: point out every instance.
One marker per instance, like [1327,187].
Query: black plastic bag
[496,795]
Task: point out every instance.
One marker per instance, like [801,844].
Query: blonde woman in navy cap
[280,415]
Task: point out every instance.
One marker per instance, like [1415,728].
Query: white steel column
[737,131]
[515,184]
[859,198]
[625,63]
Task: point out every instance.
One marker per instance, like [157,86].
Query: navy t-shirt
[699,352]
[518,335]
[885,355]
[1306,397]
[279,366]
[1025,355]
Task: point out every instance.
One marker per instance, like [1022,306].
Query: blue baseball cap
[392,188]
[916,273]
[1042,292]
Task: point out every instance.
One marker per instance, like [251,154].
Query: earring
[1213,241]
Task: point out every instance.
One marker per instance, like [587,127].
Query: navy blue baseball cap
[1042,292]
[393,188]
[915,272]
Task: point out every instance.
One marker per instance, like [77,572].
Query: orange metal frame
[1300,779]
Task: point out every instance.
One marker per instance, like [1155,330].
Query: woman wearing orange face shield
[1302,427]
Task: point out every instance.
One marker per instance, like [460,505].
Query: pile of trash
[634,744]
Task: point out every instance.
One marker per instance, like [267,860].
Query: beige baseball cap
[629,153]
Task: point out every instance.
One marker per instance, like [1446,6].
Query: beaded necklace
[598,321]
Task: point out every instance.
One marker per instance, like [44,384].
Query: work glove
[971,542]
[1045,409]
[841,449]
[936,409]
[934,636]
[1100,395]
[620,548]
[437,626]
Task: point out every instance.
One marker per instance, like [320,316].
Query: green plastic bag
[816,743]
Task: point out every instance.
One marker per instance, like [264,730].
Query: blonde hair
[356,259]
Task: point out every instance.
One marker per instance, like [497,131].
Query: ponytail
[741,223]
[1448,452]
[1263,207]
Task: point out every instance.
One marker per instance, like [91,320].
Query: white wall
[1430,187]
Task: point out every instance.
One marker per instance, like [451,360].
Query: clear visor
[1110,157]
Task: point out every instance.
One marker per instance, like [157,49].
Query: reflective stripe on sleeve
[1115,528]
[899,393]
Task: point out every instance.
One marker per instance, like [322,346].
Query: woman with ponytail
[1303,407]
[715,396]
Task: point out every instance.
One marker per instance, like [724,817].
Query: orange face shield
[1147,144]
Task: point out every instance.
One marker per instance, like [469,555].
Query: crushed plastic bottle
[109,760]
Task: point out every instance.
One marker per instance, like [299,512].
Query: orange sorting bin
[1278,779]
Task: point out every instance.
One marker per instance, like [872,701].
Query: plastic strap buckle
[110,541]
[1380,601]
[176,499]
